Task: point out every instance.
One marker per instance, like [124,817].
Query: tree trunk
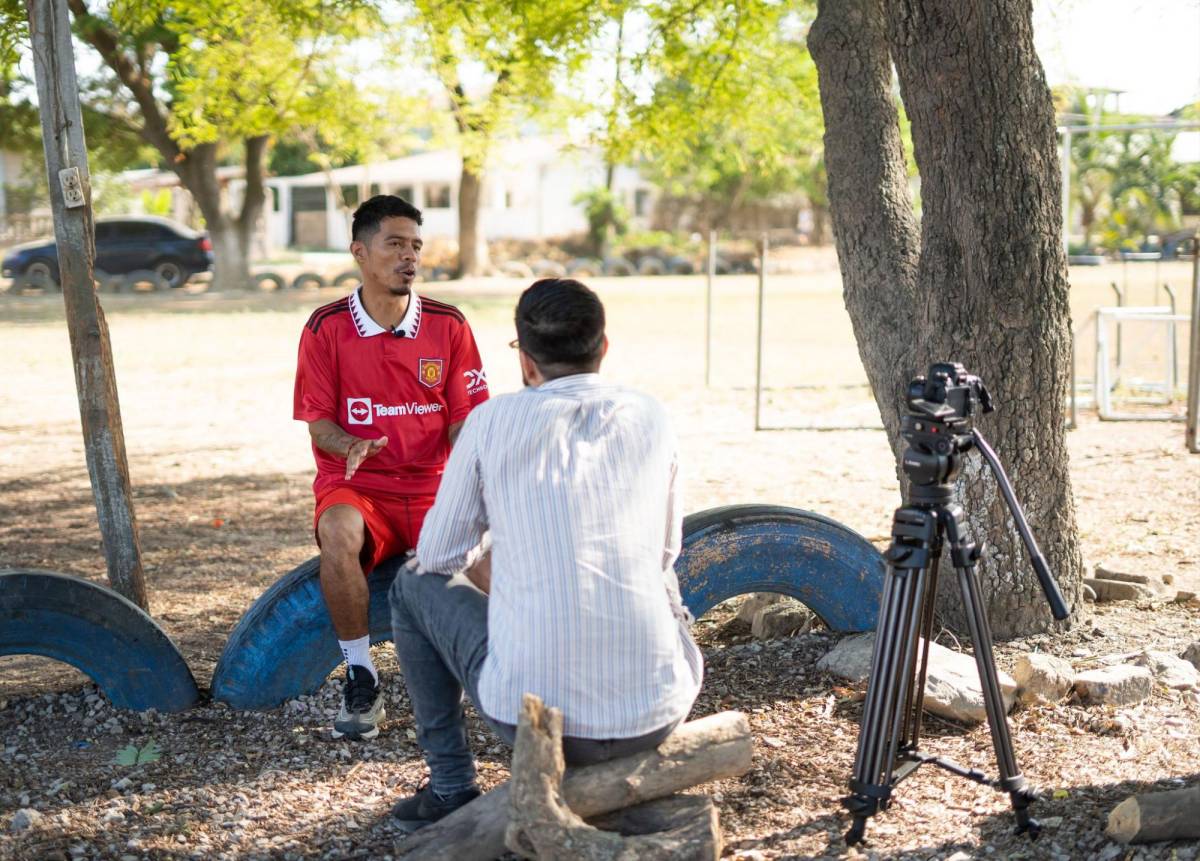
[989,287]
[231,235]
[472,245]
[874,228]
[993,272]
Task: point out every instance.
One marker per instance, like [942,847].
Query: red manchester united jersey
[408,384]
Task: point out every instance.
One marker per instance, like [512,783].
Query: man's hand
[360,451]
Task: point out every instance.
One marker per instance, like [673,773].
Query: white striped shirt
[576,480]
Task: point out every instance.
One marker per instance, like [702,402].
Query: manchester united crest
[430,372]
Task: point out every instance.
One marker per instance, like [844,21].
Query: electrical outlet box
[72,187]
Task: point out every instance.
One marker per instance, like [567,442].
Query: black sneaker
[426,806]
[362,706]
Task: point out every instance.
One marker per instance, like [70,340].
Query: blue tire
[97,631]
[738,549]
[285,647]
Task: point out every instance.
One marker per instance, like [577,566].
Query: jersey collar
[366,325]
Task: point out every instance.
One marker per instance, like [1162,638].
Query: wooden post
[1192,439]
[95,382]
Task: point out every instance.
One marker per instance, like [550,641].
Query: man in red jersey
[384,380]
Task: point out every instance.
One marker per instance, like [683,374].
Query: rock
[1120,685]
[1192,654]
[781,620]
[1089,594]
[1184,597]
[1043,678]
[756,602]
[952,688]
[24,819]
[1168,579]
[1116,590]
[1108,572]
[1169,670]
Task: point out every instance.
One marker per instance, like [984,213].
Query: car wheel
[39,274]
[171,272]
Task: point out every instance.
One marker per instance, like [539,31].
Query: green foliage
[133,755]
[606,217]
[500,61]
[157,202]
[715,100]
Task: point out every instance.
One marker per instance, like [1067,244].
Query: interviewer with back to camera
[577,481]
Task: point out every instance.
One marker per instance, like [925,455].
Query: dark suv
[172,251]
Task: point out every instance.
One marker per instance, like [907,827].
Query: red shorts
[392,524]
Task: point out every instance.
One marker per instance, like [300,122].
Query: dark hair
[560,325]
[372,212]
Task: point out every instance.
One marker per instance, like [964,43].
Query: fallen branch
[1172,815]
[712,748]
[544,828]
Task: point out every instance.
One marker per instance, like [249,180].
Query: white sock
[358,653]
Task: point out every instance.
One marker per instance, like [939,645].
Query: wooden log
[711,748]
[1172,815]
[544,828]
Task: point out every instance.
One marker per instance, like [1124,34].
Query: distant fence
[21,228]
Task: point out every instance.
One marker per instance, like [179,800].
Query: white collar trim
[367,327]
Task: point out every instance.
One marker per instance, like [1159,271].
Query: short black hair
[371,213]
[560,325]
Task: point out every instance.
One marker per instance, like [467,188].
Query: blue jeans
[439,628]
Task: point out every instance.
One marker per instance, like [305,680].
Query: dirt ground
[221,480]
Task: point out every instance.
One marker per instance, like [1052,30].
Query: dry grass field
[221,478]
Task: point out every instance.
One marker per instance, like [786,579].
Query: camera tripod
[890,733]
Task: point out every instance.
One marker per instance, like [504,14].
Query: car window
[134,231]
[104,231]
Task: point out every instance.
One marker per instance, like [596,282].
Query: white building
[530,188]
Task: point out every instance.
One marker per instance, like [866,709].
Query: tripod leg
[889,685]
[964,554]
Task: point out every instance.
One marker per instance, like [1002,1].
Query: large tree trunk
[231,235]
[874,228]
[472,244]
[989,289]
[993,272]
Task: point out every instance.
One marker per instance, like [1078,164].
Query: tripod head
[939,426]
[940,430]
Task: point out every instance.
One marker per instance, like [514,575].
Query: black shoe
[427,806]
[362,706]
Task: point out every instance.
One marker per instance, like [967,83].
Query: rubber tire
[308,281]
[145,276]
[739,549]
[97,631]
[285,646]
[345,279]
[262,279]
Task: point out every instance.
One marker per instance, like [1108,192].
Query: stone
[1117,590]
[1120,685]
[24,819]
[1043,678]
[1169,670]
[1192,654]
[756,602]
[1184,597]
[952,688]
[1168,579]
[1109,572]
[783,619]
